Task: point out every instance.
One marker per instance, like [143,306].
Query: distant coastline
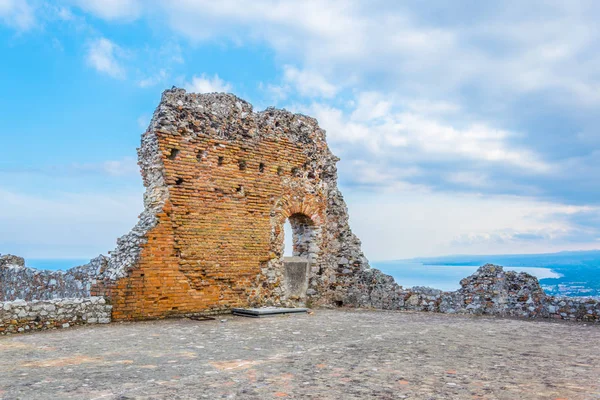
[569,273]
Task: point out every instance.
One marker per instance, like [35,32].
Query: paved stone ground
[331,354]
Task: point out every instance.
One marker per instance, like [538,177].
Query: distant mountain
[563,258]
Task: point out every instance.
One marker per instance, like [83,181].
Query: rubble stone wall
[18,282]
[23,316]
[489,291]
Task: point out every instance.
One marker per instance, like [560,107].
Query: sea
[571,274]
[445,277]
[55,264]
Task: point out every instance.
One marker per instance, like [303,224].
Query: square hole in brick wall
[173,154]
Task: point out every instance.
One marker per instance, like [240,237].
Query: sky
[463,127]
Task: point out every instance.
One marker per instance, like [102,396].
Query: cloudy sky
[463,127]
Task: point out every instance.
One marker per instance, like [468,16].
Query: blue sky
[469,127]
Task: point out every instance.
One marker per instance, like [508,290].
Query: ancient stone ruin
[221,180]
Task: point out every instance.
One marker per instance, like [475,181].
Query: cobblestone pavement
[331,354]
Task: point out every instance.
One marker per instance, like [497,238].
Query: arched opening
[300,234]
[300,250]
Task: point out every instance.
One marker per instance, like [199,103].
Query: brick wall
[233,178]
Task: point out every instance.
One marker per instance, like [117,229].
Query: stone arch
[306,216]
[281,282]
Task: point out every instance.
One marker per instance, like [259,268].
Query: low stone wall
[18,282]
[489,291]
[49,299]
[22,316]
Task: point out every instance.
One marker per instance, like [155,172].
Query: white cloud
[426,106]
[340,129]
[126,166]
[378,126]
[102,56]
[412,221]
[370,106]
[206,84]
[476,141]
[153,80]
[521,47]
[18,14]
[275,93]
[469,178]
[384,177]
[172,52]
[64,14]
[111,9]
[308,83]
